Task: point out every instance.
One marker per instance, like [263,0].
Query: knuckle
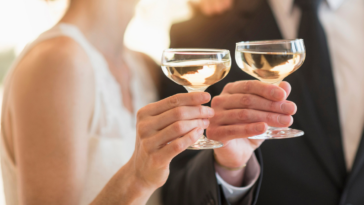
[178,127]
[216,101]
[243,115]
[246,101]
[140,113]
[246,86]
[191,137]
[272,105]
[178,113]
[271,117]
[141,128]
[174,100]
[230,131]
[178,147]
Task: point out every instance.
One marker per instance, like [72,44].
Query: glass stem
[195,90]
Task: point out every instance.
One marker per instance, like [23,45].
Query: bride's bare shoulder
[49,57]
[58,66]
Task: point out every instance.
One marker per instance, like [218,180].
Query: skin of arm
[52,106]
[164,129]
[244,109]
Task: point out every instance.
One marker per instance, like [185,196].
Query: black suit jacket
[305,170]
[193,181]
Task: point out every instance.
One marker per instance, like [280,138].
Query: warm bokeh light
[21,21]
[148,31]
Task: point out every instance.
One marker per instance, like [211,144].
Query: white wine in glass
[269,67]
[196,70]
[271,62]
[197,75]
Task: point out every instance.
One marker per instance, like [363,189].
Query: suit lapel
[317,118]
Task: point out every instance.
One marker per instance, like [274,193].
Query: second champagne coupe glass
[196,70]
[270,62]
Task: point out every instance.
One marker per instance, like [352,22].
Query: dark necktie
[318,77]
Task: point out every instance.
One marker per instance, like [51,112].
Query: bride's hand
[165,129]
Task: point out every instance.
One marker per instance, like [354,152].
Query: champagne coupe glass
[196,70]
[270,62]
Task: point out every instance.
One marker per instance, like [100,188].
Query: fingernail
[284,107]
[211,112]
[284,120]
[206,122]
[259,127]
[273,92]
[206,96]
[276,94]
[288,107]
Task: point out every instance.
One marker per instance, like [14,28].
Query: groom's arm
[193,181]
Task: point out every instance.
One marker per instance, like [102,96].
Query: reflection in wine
[197,75]
[269,67]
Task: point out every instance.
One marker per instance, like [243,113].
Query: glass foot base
[204,143]
[279,133]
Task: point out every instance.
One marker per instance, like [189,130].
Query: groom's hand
[245,109]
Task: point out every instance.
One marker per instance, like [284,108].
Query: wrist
[232,177]
[218,164]
[227,157]
[124,188]
[241,178]
[137,189]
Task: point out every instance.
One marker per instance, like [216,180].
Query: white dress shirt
[343,22]
[251,174]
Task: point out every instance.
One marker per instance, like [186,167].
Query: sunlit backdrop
[21,21]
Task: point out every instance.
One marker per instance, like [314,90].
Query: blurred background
[21,21]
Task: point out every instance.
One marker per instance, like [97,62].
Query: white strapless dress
[112,132]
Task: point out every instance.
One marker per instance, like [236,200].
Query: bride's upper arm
[51,103]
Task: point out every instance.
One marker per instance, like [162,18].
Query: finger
[178,145]
[180,113]
[229,132]
[286,86]
[182,99]
[239,116]
[174,131]
[268,91]
[239,101]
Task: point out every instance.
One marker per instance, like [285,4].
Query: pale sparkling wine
[197,75]
[269,67]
